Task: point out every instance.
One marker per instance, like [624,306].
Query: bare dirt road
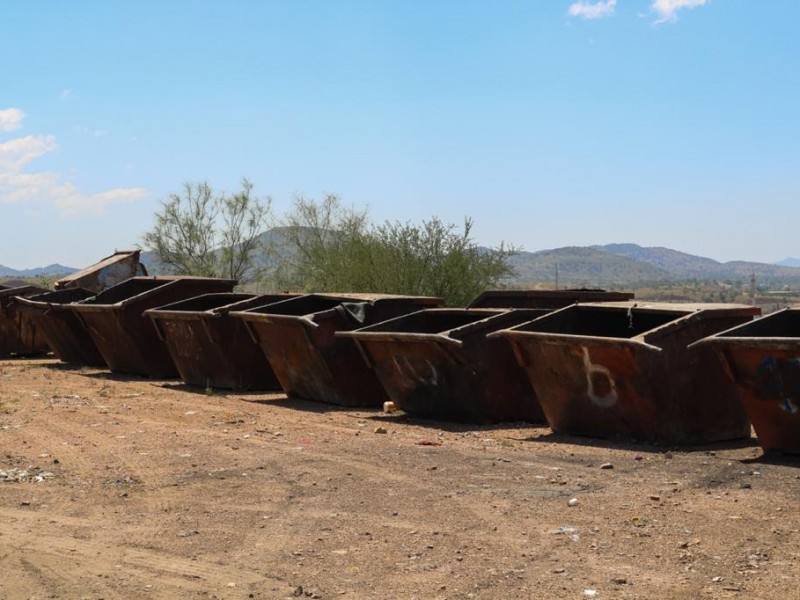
[116,487]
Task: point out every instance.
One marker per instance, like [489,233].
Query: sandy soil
[129,488]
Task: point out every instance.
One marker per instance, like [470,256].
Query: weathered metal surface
[551,299]
[438,363]
[106,273]
[298,338]
[124,335]
[763,358]
[18,333]
[62,329]
[212,349]
[625,370]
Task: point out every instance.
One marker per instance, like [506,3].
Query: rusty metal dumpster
[108,272]
[551,299]
[212,349]
[298,338]
[124,335]
[61,328]
[18,333]
[439,364]
[763,358]
[625,370]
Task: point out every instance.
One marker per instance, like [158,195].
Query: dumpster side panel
[697,402]
[509,395]
[354,382]
[768,380]
[18,332]
[245,367]
[68,338]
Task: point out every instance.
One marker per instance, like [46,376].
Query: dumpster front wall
[677,395]
[769,383]
[293,357]
[216,352]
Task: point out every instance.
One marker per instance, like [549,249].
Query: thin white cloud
[592,10]
[100,133]
[17,185]
[17,153]
[65,93]
[11,119]
[667,10]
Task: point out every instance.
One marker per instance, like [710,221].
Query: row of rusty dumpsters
[588,362]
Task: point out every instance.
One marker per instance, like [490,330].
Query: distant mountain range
[602,266]
[48,271]
[626,264]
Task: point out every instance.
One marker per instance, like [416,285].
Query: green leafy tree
[330,247]
[205,233]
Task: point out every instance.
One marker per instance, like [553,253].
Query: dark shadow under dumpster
[61,327]
[18,333]
[763,358]
[439,364]
[625,370]
[124,335]
[298,338]
[212,349]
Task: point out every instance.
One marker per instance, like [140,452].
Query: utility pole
[753,288]
[556,275]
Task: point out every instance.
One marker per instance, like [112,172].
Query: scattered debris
[572,502]
[380,430]
[29,475]
[429,443]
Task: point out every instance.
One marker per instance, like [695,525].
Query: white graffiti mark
[409,371]
[601,386]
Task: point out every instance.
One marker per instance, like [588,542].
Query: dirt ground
[115,487]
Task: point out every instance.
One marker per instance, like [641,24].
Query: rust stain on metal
[124,335]
[626,370]
[763,358]
[439,363]
[298,337]
[212,349]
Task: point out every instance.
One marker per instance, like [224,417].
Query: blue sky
[551,123]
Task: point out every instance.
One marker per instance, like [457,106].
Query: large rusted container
[298,338]
[625,370]
[124,335]
[108,272]
[18,333]
[439,364]
[763,358]
[551,299]
[212,349]
[62,329]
